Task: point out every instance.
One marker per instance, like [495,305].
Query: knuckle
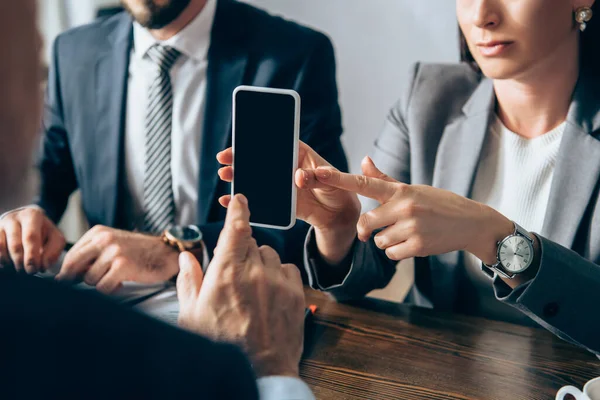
[392,254]
[418,247]
[270,254]
[104,237]
[412,227]
[7,220]
[362,182]
[365,220]
[30,237]
[361,230]
[32,211]
[381,241]
[16,247]
[294,273]
[120,263]
[98,230]
[89,279]
[401,188]
[257,276]
[115,249]
[241,227]
[410,208]
[13,232]
[28,214]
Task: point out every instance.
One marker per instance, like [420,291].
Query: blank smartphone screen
[264,145]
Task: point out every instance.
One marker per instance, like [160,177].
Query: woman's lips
[493,49]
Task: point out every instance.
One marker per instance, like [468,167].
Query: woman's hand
[332,212]
[418,220]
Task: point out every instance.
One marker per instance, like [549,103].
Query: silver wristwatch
[514,256]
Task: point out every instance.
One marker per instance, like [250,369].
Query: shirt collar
[192,41]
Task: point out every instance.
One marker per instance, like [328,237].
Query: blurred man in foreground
[61,343]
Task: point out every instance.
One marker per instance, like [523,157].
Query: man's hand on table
[246,297]
[29,241]
[106,257]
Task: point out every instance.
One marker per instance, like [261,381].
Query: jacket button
[551,310]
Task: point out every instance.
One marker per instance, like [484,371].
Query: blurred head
[20,95]
[155,14]
[508,38]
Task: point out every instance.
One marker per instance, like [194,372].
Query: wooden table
[378,350]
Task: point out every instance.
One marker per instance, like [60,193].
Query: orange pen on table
[309,312]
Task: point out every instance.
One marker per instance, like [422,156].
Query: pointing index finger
[373,188]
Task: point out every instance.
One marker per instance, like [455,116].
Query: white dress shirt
[283,388]
[189,81]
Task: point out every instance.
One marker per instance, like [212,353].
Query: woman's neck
[539,100]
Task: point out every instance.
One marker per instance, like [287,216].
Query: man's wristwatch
[514,256]
[185,238]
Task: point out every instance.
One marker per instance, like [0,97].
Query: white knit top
[514,177]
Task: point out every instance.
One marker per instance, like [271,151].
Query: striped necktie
[159,203]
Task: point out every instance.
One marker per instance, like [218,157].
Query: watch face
[515,254]
[186,233]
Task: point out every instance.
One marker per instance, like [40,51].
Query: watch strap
[198,250]
[488,270]
[522,232]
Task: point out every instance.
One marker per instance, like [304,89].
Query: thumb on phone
[190,276]
[236,235]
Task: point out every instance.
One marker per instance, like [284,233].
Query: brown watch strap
[198,253]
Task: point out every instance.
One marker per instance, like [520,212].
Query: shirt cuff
[20,209]
[283,388]
[312,266]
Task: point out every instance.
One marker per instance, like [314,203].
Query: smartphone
[266,129]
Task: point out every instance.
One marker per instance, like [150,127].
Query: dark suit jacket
[59,343]
[86,98]
[434,136]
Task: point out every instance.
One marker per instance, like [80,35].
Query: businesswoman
[472,161]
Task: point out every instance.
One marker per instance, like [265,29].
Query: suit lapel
[227,60]
[456,163]
[462,142]
[577,168]
[111,92]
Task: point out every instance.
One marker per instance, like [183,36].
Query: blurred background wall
[376,41]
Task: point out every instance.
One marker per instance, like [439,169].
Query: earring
[583,15]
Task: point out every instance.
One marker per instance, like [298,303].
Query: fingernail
[323,173]
[242,199]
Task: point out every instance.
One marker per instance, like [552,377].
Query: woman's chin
[499,69]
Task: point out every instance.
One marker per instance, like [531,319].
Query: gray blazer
[434,136]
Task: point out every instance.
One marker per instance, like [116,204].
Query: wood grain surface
[375,350]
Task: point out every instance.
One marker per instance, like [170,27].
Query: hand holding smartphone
[266,129]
